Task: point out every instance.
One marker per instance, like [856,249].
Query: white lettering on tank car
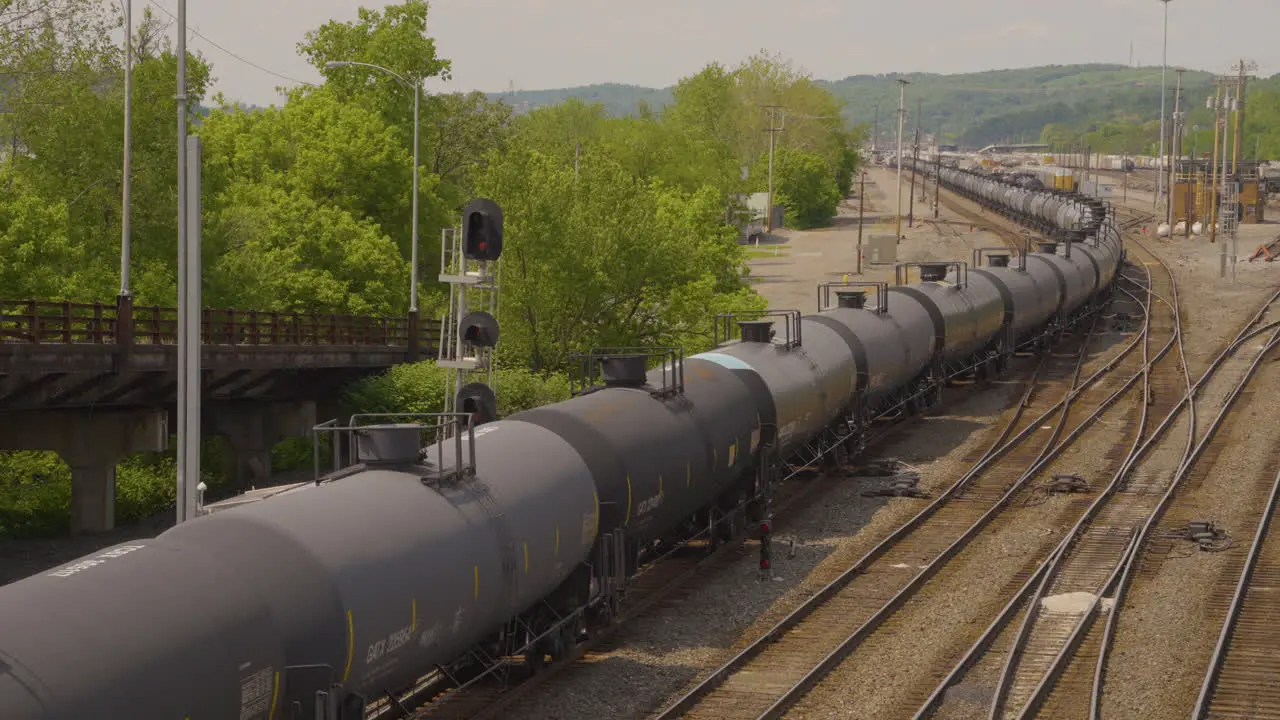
[389,644]
[83,565]
[255,694]
[649,505]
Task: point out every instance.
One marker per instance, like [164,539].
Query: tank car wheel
[536,659]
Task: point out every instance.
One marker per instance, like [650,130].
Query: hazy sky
[555,43]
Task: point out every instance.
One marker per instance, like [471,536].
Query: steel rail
[934,701]
[708,684]
[1001,446]
[1136,454]
[1246,334]
[1208,687]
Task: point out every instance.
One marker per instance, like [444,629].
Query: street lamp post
[413,252]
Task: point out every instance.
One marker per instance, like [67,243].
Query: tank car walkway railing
[37,322]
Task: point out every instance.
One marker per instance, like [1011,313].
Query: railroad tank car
[1029,299]
[810,382]
[148,624]
[374,575]
[892,355]
[657,458]
[965,317]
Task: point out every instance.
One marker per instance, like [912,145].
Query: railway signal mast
[469,333]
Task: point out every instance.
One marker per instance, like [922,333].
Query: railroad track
[986,667]
[1054,659]
[1243,675]
[772,673]
[1243,680]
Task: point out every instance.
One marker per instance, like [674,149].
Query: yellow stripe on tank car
[626,520]
[275,694]
[351,646]
[475,572]
[526,557]
[413,619]
[557,541]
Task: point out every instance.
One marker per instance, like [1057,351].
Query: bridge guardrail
[63,323]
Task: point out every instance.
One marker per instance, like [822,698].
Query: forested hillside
[976,109]
[616,231]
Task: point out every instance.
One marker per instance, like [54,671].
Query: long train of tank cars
[519,535]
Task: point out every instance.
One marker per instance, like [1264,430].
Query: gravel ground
[891,674]
[1173,612]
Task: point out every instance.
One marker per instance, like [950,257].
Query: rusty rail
[64,323]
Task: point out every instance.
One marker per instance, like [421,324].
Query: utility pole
[1173,150]
[915,160]
[902,116]
[1216,104]
[773,134]
[1242,69]
[862,199]
[875,134]
[1163,70]
[937,181]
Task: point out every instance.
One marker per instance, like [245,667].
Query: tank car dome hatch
[756,331]
[1048,248]
[1000,260]
[392,444]
[625,370]
[853,299]
[479,328]
[933,272]
[479,401]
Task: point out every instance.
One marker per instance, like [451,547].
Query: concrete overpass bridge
[97,382]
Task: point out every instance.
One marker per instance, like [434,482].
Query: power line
[242,59]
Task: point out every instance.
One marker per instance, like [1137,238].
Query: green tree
[607,259]
[804,182]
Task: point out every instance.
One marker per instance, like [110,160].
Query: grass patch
[768,252]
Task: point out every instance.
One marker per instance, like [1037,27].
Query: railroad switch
[1068,483]
[1206,534]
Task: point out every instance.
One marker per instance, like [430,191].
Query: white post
[191,331]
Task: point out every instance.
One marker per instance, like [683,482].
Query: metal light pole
[1164,62]
[413,252]
[189,325]
[902,115]
[125,234]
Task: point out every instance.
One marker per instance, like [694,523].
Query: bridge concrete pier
[92,444]
[252,428]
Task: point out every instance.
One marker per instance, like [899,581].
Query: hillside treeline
[1140,134]
[616,228]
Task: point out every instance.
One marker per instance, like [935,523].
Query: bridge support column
[253,427]
[92,444]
